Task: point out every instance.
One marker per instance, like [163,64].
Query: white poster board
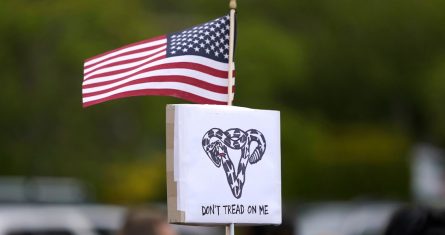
[223,165]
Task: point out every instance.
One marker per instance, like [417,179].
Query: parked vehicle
[344,218]
[44,219]
[59,206]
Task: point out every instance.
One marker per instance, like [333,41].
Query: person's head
[146,222]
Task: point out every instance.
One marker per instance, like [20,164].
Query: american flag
[191,65]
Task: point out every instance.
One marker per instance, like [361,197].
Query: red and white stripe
[144,69]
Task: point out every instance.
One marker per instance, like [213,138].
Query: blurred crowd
[405,220]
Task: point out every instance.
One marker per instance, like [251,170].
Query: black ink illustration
[215,143]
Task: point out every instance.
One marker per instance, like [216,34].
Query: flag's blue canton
[209,40]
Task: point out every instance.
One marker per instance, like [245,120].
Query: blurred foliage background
[358,83]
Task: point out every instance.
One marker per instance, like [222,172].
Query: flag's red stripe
[161,92]
[127,69]
[124,61]
[179,79]
[176,65]
[127,46]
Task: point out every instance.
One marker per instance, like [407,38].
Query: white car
[36,220]
[45,219]
[344,218]
[59,208]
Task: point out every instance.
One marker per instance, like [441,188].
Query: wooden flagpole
[230,228]
[232,6]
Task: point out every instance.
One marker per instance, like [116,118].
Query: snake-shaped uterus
[215,143]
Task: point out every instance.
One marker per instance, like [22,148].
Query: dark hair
[142,222]
[417,221]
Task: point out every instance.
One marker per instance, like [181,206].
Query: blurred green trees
[357,84]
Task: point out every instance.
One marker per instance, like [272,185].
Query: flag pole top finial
[232,4]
